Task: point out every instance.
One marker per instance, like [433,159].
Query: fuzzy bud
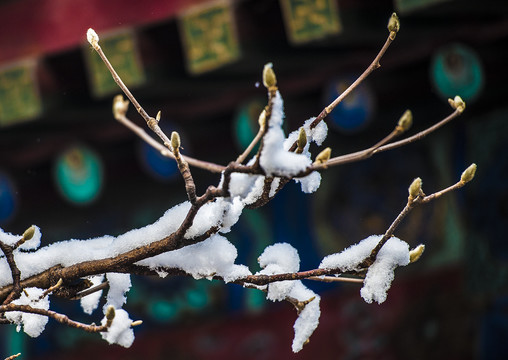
[92,38]
[120,106]
[468,174]
[457,103]
[323,156]
[110,315]
[406,120]
[175,140]
[269,78]
[416,253]
[158,116]
[302,140]
[415,188]
[394,23]
[29,233]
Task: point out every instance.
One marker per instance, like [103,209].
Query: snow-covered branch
[189,239]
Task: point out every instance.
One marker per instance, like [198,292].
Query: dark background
[450,305]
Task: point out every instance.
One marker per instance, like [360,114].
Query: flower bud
[175,140]
[269,78]
[406,120]
[302,140]
[457,103]
[323,156]
[415,188]
[92,37]
[416,253]
[29,233]
[110,315]
[468,174]
[394,23]
[158,116]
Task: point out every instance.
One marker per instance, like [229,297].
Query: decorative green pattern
[308,20]
[19,96]
[209,37]
[121,51]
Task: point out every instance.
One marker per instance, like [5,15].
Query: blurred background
[67,166]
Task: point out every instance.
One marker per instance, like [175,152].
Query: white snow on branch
[380,274]
[10,239]
[119,285]
[214,256]
[279,259]
[274,159]
[90,302]
[283,258]
[33,324]
[308,319]
[120,332]
[311,182]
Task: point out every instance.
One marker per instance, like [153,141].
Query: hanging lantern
[354,113]
[8,199]
[79,175]
[457,70]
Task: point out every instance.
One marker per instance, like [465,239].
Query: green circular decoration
[79,175]
[457,70]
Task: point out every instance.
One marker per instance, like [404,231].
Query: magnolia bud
[92,37]
[269,78]
[323,156]
[29,233]
[415,188]
[457,103]
[158,116]
[394,23]
[175,140]
[468,174]
[302,140]
[416,253]
[406,120]
[110,315]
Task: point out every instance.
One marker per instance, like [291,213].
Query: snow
[120,332]
[380,274]
[310,183]
[10,239]
[33,324]
[90,302]
[214,256]
[283,258]
[308,319]
[274,159]
[119,284]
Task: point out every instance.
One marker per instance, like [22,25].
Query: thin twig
[215,168]
[364,154]
[375,64]
[12,357]
[331,279]
[251,146]
[61,318]
[16,274]
[91,290]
